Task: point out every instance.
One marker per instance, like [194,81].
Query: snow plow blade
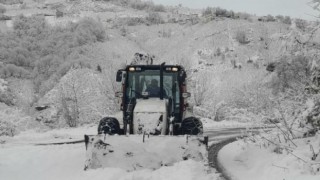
[136,152]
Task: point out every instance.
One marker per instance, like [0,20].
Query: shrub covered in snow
[243,15]
[241,37]
[6,96]
[45,53]
[301,24]
[293,72]
[7,128]
[154,18]
[287,20]
[13,120]
[2,9]
[270,18]
[211,12]
[146,5]
[12,70]
[313,113]
[3,85]
[10,2]
[82,96]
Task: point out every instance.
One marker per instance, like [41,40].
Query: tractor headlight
[174,69]
[131,69]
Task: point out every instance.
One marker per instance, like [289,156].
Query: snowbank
[251,162]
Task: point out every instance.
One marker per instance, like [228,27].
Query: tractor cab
[145,82]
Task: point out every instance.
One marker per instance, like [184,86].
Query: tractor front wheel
[191,126]
[109,125]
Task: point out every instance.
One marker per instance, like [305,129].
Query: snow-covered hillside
[57,80]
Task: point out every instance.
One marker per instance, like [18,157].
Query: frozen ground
[21,159]
[66,162]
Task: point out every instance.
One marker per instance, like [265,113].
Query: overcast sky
[293,8]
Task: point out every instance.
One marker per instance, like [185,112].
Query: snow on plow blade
[136,152]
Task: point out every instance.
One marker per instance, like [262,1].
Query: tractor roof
[154,67]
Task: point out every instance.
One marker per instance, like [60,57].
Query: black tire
[109,125]
[191,126]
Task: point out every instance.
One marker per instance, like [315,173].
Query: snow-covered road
[66,162]
[20,159]
[41,162]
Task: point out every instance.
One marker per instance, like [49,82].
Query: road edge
[213,157]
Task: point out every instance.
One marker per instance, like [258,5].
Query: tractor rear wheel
[191,126]
[109,125]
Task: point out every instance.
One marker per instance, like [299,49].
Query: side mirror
[119,94]
[119,76]
[186,94]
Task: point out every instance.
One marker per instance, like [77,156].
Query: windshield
[149,81]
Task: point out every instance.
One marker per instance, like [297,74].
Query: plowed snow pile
[131,153]
[66,162]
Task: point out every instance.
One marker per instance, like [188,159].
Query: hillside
[59,58]
[225,53]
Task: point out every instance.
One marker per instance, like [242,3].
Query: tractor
[153,104]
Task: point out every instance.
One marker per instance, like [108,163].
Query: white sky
[293,8]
